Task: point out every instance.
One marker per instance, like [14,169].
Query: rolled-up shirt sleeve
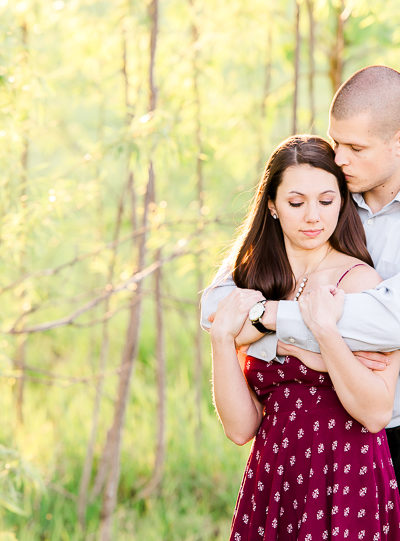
[370,321]
[222,285]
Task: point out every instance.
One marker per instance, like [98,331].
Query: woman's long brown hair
[260,256]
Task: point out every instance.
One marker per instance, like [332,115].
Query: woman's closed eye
[323,202]
[295,204]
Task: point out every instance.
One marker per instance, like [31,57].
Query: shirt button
[370,221]
[291,340]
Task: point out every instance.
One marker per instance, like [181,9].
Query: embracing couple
[301,315]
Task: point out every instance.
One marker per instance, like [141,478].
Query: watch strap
[260,327]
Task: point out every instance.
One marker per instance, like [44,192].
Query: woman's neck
[305,262]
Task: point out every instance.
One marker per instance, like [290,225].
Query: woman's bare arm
[366,394]
[238,408]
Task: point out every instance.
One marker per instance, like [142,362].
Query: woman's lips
[312,232]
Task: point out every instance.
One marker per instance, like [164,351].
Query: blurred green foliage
[69,131]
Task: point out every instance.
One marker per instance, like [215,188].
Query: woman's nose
[312,213]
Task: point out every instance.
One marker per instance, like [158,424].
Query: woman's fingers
[324,302]
[373,359]
[233,310]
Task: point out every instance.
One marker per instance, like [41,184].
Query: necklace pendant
[301,287]
[305,279]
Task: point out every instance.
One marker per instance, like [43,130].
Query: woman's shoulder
[354,275]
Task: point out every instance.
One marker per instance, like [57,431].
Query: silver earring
[275,216]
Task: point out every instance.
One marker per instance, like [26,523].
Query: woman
[319,467]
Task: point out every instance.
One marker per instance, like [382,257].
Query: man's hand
[373,359]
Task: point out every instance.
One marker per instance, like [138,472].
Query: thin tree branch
[109,291]
[228,222]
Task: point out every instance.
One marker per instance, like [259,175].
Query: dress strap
[348,270]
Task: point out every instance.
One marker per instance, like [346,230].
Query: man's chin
[352,185]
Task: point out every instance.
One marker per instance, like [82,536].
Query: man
[365,130]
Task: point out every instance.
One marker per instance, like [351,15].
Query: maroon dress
[314,473]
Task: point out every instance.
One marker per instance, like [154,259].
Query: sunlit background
[132,134]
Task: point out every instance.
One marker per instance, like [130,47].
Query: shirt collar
[359,199]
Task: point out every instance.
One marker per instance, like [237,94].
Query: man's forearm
[265,347]
[220,288]
[370,321]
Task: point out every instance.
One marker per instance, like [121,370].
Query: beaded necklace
[305,279]
[300,290]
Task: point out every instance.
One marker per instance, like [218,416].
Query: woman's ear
[272,209]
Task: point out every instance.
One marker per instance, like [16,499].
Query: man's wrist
[325,332]
[268,318]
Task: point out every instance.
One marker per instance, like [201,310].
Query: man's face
[367,160]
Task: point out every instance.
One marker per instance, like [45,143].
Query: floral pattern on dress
[313,473]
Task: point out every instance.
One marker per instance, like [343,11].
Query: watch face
[256,311]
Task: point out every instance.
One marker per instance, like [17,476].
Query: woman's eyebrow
[322,193]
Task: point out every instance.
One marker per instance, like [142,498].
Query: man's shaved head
[374,90]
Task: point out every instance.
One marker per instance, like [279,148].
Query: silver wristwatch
[255,314]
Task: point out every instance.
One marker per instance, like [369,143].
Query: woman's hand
[309,358]
[374,360]
[322,308]
[233,311]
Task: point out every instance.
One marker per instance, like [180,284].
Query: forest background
[132,134]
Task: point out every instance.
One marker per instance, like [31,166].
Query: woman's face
[308,205]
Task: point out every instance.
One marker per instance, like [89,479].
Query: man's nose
[341,156]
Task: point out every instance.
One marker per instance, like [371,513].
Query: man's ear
[396,139]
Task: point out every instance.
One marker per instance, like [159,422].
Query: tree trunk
[311,63]
[263,104]
[336,58]
[156,479]
[19,367]
[296,66]
[21,342]
[130,190]
[198,357]
[114,437]
[88,465]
